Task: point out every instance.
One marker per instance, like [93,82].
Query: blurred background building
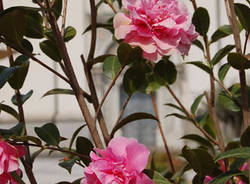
[64,110]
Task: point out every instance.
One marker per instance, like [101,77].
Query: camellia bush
[147,33]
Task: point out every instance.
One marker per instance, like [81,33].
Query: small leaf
[174,106]
[84,146]
[235,153]
[238,61]
[17,130]
[27,138]
[5,74]
[59,91]
[225,177]
[228,103]
[51,50]
[221,54]
[24,98]
[166,70]
[222,32]
[179,116]
[10,111]
[111,66]
[57,8]
[243,13]
[69,33]
[201,21]
[201,65]
[159,179]
[68,164]
[245,137]
[99,59]
[36,154]
[127,55]
[49,133]
[196,103]
[26,45]
[223,71]
[131,118]
[75,135]
[198,44]
[200,140]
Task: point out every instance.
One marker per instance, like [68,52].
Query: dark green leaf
[200,160]
[5,74]
[24,98]
[235,153]
[99,59]
[111,66]
[245,137]
[223,71]
[26,45]
[84,146]
[201,65]
[69,33]
[166,70]
[107,26]
[228,103]
[59,91]
[224,177]
[221,54]
[49,133]
[238,61]
[27,138]
[198,44]
[174,106]
[34,24]
[50,49]
[243,13]
[9,110]
[68,164]
[196,103]
[131,118]
[222,32]
[179,116]
[126,54]
[201,21]
[75,135]
[17,130]
[16,81]
[57,8]
[36,154]
[200,140]
[159,179]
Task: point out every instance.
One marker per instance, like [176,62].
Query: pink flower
[9,161]
[159,27]
[122,162]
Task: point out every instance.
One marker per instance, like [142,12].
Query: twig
[194,4]
[73,80]
[190,116]
[162,133]
[216,122]
[65,2]
[111,6]
[107,92]
[122,110]
[93,29]
[223,86]
[95,101]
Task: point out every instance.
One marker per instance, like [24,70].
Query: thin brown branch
[122,110]
[162,134]
[111,6]
[216,122]
[107,92]
[73,80]
[65,5]
[93,29]
[95,101]
[194,4]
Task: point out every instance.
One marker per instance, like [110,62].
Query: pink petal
[121,25]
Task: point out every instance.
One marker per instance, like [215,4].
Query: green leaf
[235,153]
[68,164]
[198,44]
[59,91]
[50,49]
[200,160]
[133,79]
[159,179]
[223,71]
[5,74]
[174,106]
[57,8]
[9,110]
[16,81]
[201,21]
[228,103]
[126,54]
[166,70]
[131,118]
[84,146]
[221,54]
[49,133]
[196,103]
[14,23]
[245,137]
[69,33]
[179,116]
[111,66]
[222,32]
[36,154]
[201,65]
[17,130]
[243,13]
[200,140]
[238,61]
[99,59]
[224,177]
[24,98]
[75,135]
[27,138]
[107,26]
[26,45]
[34,24]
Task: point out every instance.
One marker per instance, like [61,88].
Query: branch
[93,29]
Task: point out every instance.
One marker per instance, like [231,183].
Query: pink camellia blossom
[158,27]
[122,162]
[9,161]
